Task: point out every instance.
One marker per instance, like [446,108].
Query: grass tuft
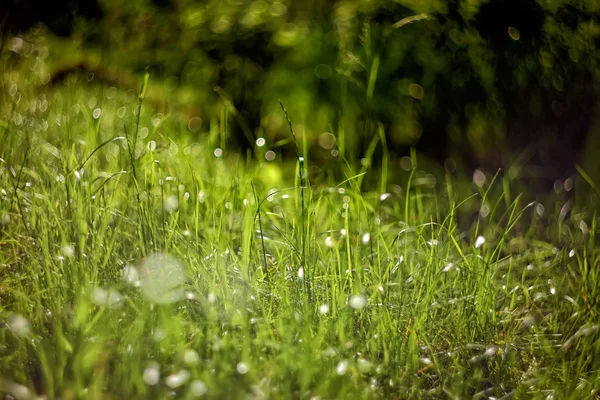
[152,283]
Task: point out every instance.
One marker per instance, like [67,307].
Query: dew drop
[270,155]
[366,238]
[242,368]
[171,204]
[341,367]
[130,276]
[198,388]
[178,379]
[109,298]
[327,140]
[191,357]
[19,325]
[479,177]
[161,277]
[358,301]
[479,241]
[416,91]
[151,374]
[514,33]
[385,196]
[329,241]
[194,124]
[18,391]
[68,251]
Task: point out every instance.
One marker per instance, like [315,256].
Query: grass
[141,261]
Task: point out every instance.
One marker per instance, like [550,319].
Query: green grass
[401,297]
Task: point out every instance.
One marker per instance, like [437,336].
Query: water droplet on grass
[18,391]
[171,204]
[385,196]
[448,267]
[416,91]
[242,368]
[19,325]
[584,227]
[426,360]
[479,241]
[364,366]
[539,209]
[151,374]
[357,301]
[341,367]
[323,309]
[159,334]
[260,142]
[130,276]
[479,177]
[406,163]
[211,298]
[528,321]
[178,379]
[194,124]
[365,238]
[97,112]
[161,277]
[327,140]
[490,352]
[110,298]
[198,388]
[68,251]
[191,357]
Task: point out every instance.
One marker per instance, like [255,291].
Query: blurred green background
[470,84]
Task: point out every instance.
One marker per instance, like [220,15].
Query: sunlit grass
[139,262]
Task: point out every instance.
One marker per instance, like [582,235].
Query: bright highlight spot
[479,241]
[242,368]
[342,367]
[161,278]
[198,388]
[19,325]
[358,301]
[178,379]
[151,374]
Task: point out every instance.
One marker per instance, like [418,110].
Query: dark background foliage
[485,83]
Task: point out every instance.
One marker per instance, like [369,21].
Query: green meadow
[139,261]
[146,254]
